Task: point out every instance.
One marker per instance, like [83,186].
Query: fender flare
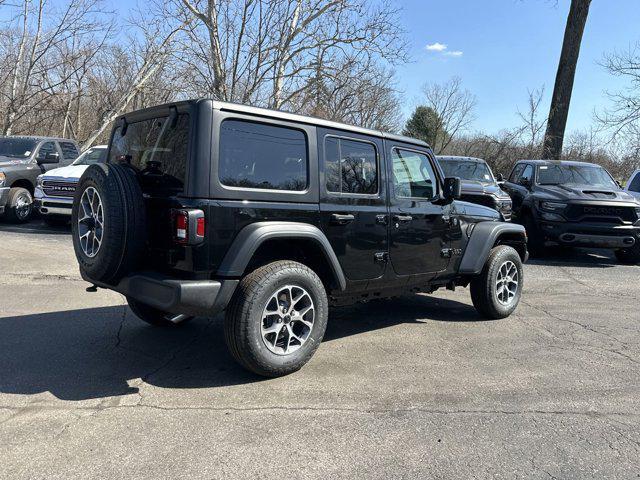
[252,236]
[483,238]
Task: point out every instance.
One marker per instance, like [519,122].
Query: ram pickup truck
[22,159]
[205,206]
[574,204]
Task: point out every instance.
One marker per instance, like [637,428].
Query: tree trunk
[563,87]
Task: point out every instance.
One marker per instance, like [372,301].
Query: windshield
[91,156]
[474,171]
[17,147]
[575,174]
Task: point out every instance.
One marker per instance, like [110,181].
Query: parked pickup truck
[206,206]
[22,159]
[478,183]
[574,204]
[633,184]
[55,189]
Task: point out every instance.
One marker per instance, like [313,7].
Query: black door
[420,224]
[353,209]
[519,184]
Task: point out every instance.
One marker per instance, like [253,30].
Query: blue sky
[505,47]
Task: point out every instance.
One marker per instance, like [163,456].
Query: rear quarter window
[260,156]
[69,150]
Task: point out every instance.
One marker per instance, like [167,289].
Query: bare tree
[565,75]
[532,126]
[454,109]
[622,119]
[36,51]
[264,52]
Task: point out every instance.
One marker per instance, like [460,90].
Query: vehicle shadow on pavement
[34,227]
[576,257]
[96,353]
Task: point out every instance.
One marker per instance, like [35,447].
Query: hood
[470,187]
[72,172]
[12,162]
[473,210]
[583,192]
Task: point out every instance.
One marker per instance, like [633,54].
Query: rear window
[157,149]
[255,155]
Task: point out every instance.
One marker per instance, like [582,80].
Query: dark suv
[205,206]
[478,183]
[574,204]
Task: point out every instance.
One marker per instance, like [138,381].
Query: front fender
[483,237]
[252,236]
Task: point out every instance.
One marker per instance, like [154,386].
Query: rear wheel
[277,318]
[154,316]
[496,291]
[629,256]
[19,206]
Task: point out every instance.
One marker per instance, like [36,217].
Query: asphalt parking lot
[418,387]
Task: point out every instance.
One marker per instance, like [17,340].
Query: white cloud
[436,47]
[454,53]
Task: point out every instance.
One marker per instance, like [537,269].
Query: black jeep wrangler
[574,204]
[206,206]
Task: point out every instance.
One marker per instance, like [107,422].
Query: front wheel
[19,205]
[496,291]
[277,318]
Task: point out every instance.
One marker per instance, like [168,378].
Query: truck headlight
[39,181]
[3,177]
[553,206]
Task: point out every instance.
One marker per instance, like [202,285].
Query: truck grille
[56,188]
[601,213]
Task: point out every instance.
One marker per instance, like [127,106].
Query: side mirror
[452,188]
[51,157]
[525,182]
[500,178]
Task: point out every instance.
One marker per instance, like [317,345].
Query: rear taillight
[188,226]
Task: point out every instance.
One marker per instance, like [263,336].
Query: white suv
[55,189]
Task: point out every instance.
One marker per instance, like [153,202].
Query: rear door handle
[402,218]
[341,219]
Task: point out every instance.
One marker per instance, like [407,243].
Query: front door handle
[402,218]
[342,219]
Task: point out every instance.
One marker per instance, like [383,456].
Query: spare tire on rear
[108,222]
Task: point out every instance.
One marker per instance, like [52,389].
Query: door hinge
[446,252]
[381,257]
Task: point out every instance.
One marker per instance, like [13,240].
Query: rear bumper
[591,235]
[4,196]
[169,294]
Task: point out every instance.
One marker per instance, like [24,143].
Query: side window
[69,150]
[351,166]
[517,171]
[46,148]
[527,175]
[256,155]
[634,186]
[413,175]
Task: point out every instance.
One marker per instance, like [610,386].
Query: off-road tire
[153,316]
[242,326]
[483,286]
[535,239]
[55,220]
[629,256]
[11,211]
[124,228]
